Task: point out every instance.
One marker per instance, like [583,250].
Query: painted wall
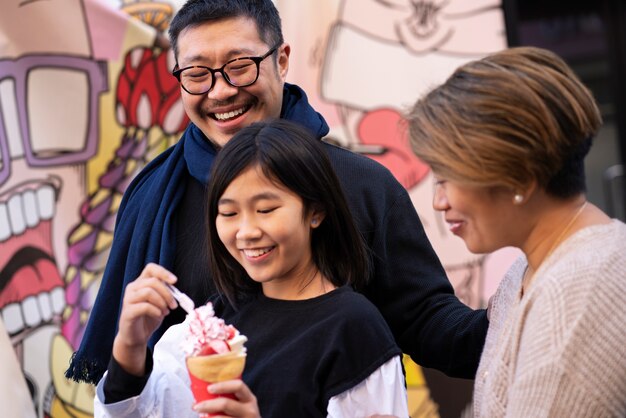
[86,100]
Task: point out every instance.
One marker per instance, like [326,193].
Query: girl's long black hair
[290,155]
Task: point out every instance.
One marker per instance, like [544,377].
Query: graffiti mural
[85,102]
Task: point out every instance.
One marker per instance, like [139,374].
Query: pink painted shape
[107,27]
[31,280]
[80,249]
[71,329]
[72,290]
[385,127]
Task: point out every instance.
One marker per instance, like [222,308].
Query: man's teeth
[256,253]
[229,115]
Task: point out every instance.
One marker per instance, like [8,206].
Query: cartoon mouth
[31,288]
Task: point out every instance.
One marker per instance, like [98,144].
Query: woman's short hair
[291,156]
[513,117]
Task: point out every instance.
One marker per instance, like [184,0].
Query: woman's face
[485,218]
[263,226]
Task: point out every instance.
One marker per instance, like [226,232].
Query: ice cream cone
[205,370]
[215,352]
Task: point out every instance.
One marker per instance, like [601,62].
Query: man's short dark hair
[196,12]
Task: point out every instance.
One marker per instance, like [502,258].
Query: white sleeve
[167,392]
[383,392]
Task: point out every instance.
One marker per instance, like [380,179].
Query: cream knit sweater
[560,351]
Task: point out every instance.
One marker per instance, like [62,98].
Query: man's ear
[283,61]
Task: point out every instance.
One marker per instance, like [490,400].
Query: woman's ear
[522,195]
[317,217]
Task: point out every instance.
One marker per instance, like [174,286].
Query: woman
[286,255]
[506,137]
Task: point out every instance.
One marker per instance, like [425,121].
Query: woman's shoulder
[588,266]
[594,248]
[613,231]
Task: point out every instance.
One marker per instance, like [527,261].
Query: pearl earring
[314,221]
[518,198]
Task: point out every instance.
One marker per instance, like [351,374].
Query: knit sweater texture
[560,350]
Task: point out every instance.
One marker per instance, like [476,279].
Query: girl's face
[264,228]
[484,218]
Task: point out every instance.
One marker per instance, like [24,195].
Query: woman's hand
[146,302]
[243,406]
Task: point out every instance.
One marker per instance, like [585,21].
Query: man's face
[225,109]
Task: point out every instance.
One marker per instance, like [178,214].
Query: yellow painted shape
[78,395]
[86,278]
[80,233]
[414,375]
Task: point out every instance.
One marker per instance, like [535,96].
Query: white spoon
[183,300]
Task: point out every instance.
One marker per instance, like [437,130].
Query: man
[231,75]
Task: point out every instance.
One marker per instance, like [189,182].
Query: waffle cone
[217,367]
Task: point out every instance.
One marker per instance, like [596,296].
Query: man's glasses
[240,72]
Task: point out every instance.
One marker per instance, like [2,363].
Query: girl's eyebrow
[255,198]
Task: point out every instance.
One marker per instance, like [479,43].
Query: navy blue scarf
[144,230]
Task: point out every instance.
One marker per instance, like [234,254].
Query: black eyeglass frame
[257,61]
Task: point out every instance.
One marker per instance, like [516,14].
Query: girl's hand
[244,406]
[146,302]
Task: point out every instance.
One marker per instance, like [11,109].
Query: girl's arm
[382,393]
[166,392]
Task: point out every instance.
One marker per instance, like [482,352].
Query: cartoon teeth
[26,210]
[33,311]
[32,292]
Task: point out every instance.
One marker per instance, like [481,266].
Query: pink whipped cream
[209,334]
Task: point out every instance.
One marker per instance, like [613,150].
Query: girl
[286,255]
